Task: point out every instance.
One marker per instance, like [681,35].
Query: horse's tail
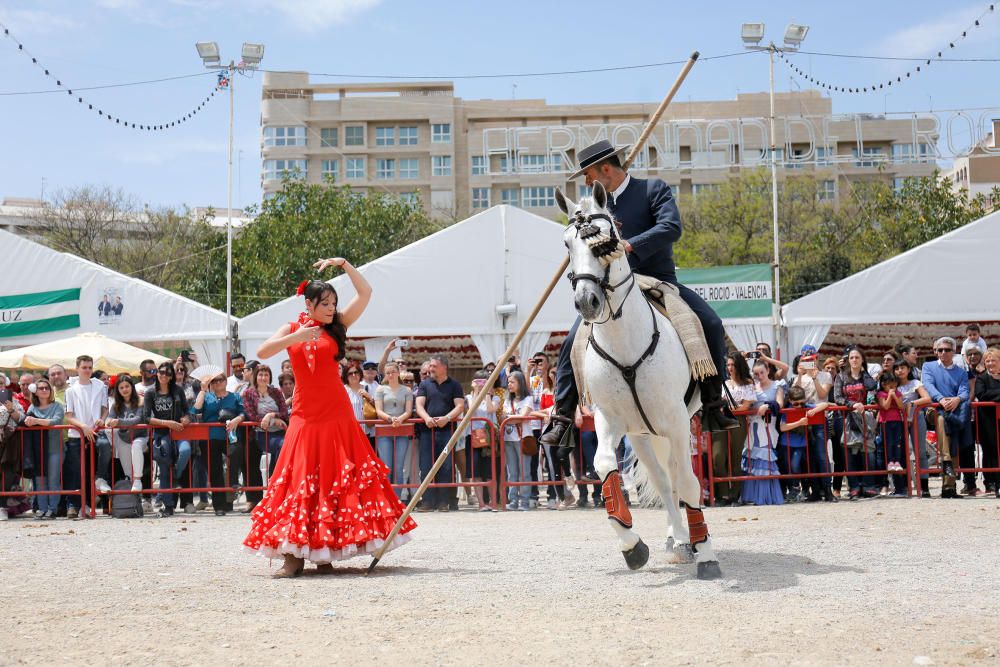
[646,492]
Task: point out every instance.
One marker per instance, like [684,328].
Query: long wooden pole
[487,388]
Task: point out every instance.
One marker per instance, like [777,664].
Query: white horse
[637,373]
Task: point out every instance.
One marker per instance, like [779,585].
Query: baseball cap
[369,365]
[808,349]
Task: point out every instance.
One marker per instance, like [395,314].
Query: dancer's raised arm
[353,310]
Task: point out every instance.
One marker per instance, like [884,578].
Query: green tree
[305,221]
[821,242]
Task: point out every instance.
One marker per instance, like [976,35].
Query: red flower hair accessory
[301,289]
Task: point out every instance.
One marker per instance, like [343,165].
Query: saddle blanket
[666,299]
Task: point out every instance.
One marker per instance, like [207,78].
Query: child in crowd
[803,434]
[890,416]
[914,397]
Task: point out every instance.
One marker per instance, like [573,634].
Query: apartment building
[418,141]
[978,172]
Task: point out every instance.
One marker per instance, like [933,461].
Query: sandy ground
[882,581]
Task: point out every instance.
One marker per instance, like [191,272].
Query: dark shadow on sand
[744,571]
[355,571]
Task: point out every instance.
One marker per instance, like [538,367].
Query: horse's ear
[565,204]
[600,195]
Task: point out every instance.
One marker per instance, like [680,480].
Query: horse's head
[593,244]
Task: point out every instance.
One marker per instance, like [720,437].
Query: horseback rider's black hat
[595,153]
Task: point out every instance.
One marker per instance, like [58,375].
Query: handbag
[479,439]
[529,445]
[368,410]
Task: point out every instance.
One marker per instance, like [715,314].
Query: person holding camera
[214,404]
[776,370]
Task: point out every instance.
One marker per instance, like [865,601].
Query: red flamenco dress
[329,497]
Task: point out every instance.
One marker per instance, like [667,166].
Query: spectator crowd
[805,429]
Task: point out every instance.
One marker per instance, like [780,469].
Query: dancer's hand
[307,334]
[333,261]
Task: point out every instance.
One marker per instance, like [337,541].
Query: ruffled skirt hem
[325,555]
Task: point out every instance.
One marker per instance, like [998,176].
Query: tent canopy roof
[150,313]
[943,280]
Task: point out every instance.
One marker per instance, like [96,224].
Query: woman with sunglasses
[166,409]
[330,497]
[46,411]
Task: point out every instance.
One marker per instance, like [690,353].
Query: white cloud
[927,38]
[314,15]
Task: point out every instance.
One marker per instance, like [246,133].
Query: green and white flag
[39,312]
[733,291]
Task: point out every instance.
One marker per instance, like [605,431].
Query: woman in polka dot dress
[329,497]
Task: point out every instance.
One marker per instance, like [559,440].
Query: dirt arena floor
[886,582]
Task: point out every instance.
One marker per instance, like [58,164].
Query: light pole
[752,34]
[251,57]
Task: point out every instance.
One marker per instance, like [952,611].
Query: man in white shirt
[235,382]
[86,410]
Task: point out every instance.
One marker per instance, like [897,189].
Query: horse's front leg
[609,433]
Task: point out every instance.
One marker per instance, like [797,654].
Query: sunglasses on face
[150,371]
[163,372]
[942,350]
[353,373]
[38,389]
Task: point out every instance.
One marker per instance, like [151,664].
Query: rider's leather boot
[562,418]
[714,409]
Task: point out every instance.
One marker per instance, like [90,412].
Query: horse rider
[650,224]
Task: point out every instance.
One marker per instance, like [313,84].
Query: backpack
[126,505]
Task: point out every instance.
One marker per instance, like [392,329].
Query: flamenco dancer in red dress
[329,497]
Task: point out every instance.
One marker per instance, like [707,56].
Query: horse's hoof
[637,556]
[679,553]
[709,569]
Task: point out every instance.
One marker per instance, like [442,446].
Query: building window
[355,168]
[827,190]
[584,191]
[274,170]
[823,156]
[510,197]
[441,165]
[478,165]
[385,136]
[506,165]
[330,168]
[412,198]
[408,136]
[868,157]
[328,137]
[385,169]
[354,135]
[897,185]
[409,168]
[530,163]
[538,196]
[912,153]
[701,188]
[480,197]
[441,133]
[285,136]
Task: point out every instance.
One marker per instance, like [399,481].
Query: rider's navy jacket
[651,222]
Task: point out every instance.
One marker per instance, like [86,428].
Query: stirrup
[558,427]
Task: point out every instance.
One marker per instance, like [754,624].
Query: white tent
[48,295]
[950,279]
[451,283]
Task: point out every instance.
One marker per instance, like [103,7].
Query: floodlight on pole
[794,34]
[208,52]
[752,33]
[252,54]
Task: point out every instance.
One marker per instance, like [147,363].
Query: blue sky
[51,142]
